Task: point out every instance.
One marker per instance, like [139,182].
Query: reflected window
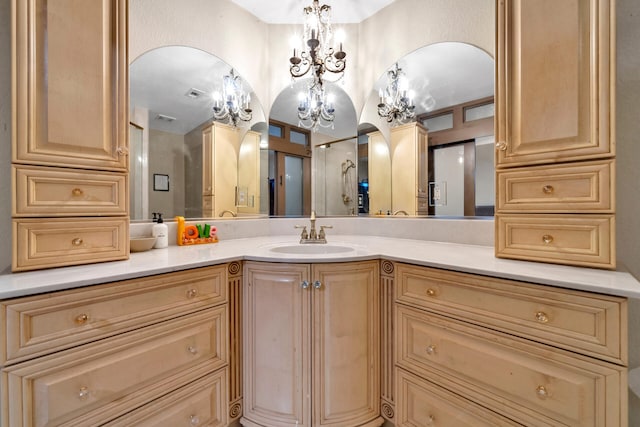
[442,122]
[479,112]
[275,130]
[298,137]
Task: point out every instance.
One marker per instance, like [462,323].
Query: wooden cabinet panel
[220,148]
[70,83]
[528,383]
[95,383]
[311,342]
[34,325]
[573,187]
[555,67]
[277,334]
[346,299]
[587,240]
[201,403]
[39,243]
[409,167]
[424,404]
[586,323]
[67,192]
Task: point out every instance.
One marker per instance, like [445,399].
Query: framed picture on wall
[160,182]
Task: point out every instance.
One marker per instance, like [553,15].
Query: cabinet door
[555,67]
[346,362]
[277,356]
[70,83]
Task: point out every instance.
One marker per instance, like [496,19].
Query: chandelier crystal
[234,103]
[396,101]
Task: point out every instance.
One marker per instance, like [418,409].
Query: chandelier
[396,102]
[233,104]
[320,55]
[315,108]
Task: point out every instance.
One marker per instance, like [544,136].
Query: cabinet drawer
[68,192]
[49,243]
[584,187]
[530,383]
[423,404]
[585,240]
[37,325]
[97,382]
[586,323]
[201,403]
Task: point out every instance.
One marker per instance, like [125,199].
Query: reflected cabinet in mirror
[426,135]
[199,126]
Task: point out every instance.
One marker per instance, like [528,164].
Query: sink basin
[311,249]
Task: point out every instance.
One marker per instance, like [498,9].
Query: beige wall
[167,157]
[5,136]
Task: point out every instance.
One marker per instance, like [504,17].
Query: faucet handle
[322,234]
[304,235]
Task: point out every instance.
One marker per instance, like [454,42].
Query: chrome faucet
[233,214]
[313,236]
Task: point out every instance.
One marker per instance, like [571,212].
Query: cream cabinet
[311,342]
[555,131]
[474,350]
[219,169]
[70,121]
[249,176]
[409,169]
[124,353]
[379,174]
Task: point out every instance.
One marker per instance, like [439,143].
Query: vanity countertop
[450,256]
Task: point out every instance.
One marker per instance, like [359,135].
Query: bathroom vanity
[239,332]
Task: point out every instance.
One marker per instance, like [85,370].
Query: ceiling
[290,11]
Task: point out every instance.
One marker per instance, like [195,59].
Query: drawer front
[39,244]
[201,403]
[37,325]
[586,323]
[423,404]
[68,192]
[584,240]
[97,382]
[531,384]
[585,187]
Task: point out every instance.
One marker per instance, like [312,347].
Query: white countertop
[451,256]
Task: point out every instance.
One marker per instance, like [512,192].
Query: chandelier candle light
[233,104]
[396,102]
[320,56]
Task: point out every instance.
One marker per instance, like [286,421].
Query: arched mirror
[175,91]
[449,90]
[313,167]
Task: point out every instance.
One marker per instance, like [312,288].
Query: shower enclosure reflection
[336,191]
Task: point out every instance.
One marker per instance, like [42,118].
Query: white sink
[312,248]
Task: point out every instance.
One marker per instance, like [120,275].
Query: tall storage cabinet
[311,343]
[555,131]
[220,169]
[409,165]
[70,142]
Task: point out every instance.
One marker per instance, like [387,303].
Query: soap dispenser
[161,232]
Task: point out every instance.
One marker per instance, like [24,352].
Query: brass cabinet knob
[194,420]
[542,317]
[77,192]
[431,350]
[192,293]
[122,151]
[192,349]
[77,241]
[83,393]
[82,319]
[431,292]
[547,238]
[547,189]
[501,146]
[541,392]
[431,420]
